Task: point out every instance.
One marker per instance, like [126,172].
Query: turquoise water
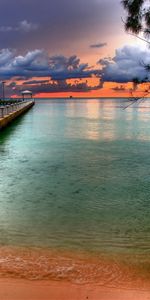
[75,174]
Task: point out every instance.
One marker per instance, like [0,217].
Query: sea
[75,192]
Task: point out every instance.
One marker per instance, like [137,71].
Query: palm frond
[133,24]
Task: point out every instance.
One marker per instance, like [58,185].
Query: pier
[11,109]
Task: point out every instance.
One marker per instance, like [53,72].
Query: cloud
[66,68]
[6,28]
[35,82]
[60,86]
[23,26]
[37,63]
[128,63]
[27,26]
[5,56]
[98,45]
[44,73]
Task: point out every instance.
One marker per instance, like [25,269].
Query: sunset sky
[58,48]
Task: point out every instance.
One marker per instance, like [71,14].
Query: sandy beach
[43,275]
[17,289]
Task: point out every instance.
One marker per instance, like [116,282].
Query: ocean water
[75,179]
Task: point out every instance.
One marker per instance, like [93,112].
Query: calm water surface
[75,175]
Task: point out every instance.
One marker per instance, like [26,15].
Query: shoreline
[19,289]
[79,269]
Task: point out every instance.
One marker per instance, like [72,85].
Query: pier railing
[10,106]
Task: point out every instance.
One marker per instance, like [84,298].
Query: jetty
[10,109]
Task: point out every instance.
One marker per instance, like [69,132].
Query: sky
[58,48]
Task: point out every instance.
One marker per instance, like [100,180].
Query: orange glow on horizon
[108,89]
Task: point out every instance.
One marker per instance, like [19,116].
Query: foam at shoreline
[77,268]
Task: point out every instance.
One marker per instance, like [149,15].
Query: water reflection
[104,120]
[93,111]
[92,119]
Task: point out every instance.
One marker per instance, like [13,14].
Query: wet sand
[29,274]
[18,289]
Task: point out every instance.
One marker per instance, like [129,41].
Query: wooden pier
[10,112]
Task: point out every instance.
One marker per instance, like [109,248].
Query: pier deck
[8,113]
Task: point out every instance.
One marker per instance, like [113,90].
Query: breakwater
[11,111]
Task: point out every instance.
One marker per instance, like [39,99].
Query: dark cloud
[61,86]
[34,82]
[37,63]
[128,63]
[67,68]
[52,87]
[98,45]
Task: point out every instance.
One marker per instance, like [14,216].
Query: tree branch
[146,41]
[136,99]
